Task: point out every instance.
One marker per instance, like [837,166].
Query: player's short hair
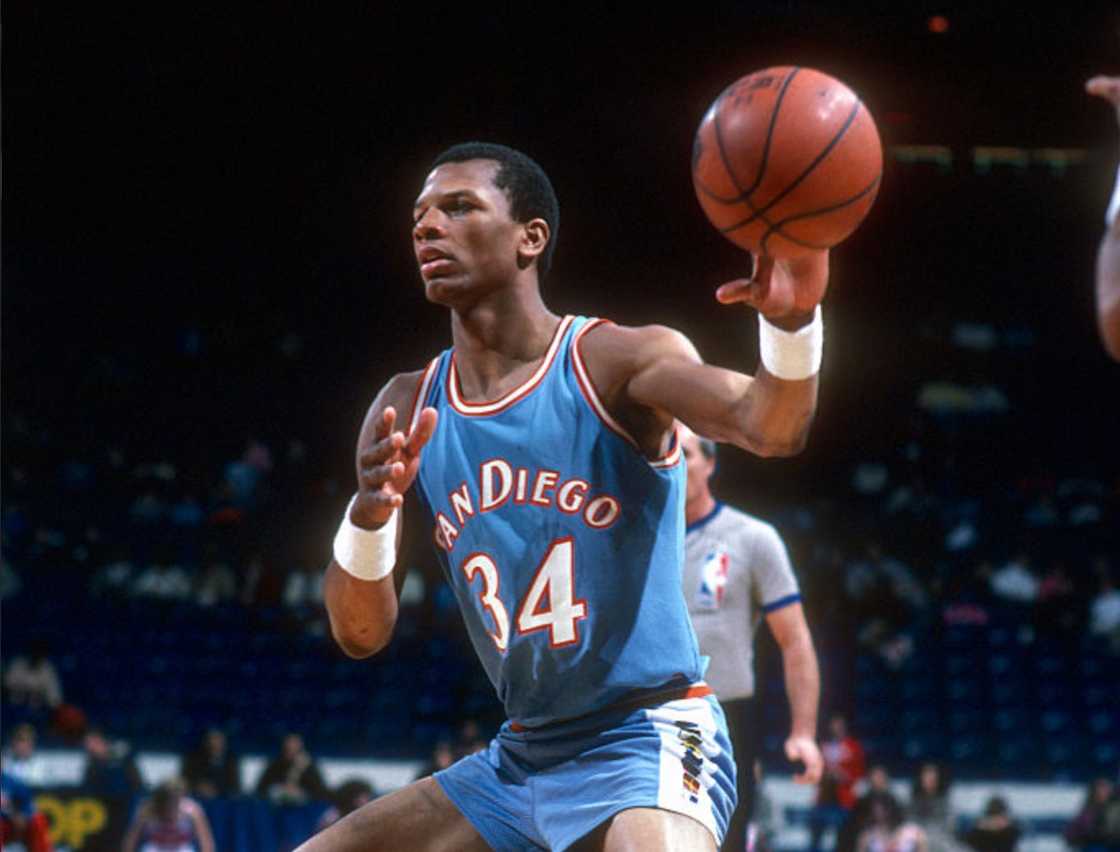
[524,182]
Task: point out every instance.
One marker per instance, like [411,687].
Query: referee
[736,570]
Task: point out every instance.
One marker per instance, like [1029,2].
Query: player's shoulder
[401,389]
[190,806]
[401,392]
[618,351]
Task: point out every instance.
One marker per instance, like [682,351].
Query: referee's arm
[803,686]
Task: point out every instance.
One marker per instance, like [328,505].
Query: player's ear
[535,235]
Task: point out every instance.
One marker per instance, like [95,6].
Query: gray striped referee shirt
[736,569]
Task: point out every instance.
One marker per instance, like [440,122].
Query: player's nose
[427,227]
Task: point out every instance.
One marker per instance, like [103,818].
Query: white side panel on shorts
[688,746]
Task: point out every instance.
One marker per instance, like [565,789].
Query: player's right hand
[387,468]
[781,289]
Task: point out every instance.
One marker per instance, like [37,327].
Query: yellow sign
[72,821]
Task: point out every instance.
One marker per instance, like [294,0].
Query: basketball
[787,161]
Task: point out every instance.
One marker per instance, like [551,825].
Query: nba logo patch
[713,580]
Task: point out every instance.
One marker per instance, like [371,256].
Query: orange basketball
[786,161]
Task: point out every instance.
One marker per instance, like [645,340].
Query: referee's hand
[805,750]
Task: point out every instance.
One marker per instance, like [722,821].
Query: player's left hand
[806,750]
[781,289]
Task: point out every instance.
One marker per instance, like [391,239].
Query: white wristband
[366,554]
[1114,204]
[792,355]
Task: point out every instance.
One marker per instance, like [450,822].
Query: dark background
[207,226]
[250,171]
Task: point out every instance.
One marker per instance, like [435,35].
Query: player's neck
[699,508]
[499,336]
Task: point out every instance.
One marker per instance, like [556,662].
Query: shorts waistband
[643,699]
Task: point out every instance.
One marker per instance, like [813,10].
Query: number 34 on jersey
[549,604]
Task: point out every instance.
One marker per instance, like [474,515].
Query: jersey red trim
[649,698]
[482,409]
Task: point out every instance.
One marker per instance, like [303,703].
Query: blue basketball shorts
[547,788]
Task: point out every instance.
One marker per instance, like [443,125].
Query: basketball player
[1108,255]
[735,570]
[544,451]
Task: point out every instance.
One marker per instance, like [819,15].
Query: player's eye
[459,206]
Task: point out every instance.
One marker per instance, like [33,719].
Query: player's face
[698,466]
[463,235]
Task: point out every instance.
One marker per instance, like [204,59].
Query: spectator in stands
[32,681]
[760,832]
[211,769]
[292,778]
[930,808]
[217,585]
[19,821]
[470,739]
[1015,581]
[169,822]
[443,755]
[19,757]
[110,769]
[887,831]
[349,796]
[995,831]
[1104,613]
[843,768]
[164,579]
[1056,609]
[1096,828]
[876,796]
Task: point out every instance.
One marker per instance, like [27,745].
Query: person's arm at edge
[1108,289]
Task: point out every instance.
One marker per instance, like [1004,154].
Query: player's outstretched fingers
[374,476]
[425,427]
[381,451]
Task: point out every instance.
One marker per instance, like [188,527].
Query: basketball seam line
[769,136]
[797,181]
[744,195]
[777,228]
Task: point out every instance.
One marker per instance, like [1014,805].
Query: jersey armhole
[421,393]
[587,387]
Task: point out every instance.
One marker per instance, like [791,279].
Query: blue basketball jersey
[562,542]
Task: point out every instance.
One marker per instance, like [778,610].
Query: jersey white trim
[520,392]
[588,387]
[422,393]
[583,377]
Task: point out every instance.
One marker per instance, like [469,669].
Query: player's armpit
[659,369]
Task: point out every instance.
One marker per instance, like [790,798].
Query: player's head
[700,462]
[486,215]
[166,798]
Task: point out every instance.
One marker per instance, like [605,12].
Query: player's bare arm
[1108,254]
[364,612]
[803,686]
[650,376]
[1108,289]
